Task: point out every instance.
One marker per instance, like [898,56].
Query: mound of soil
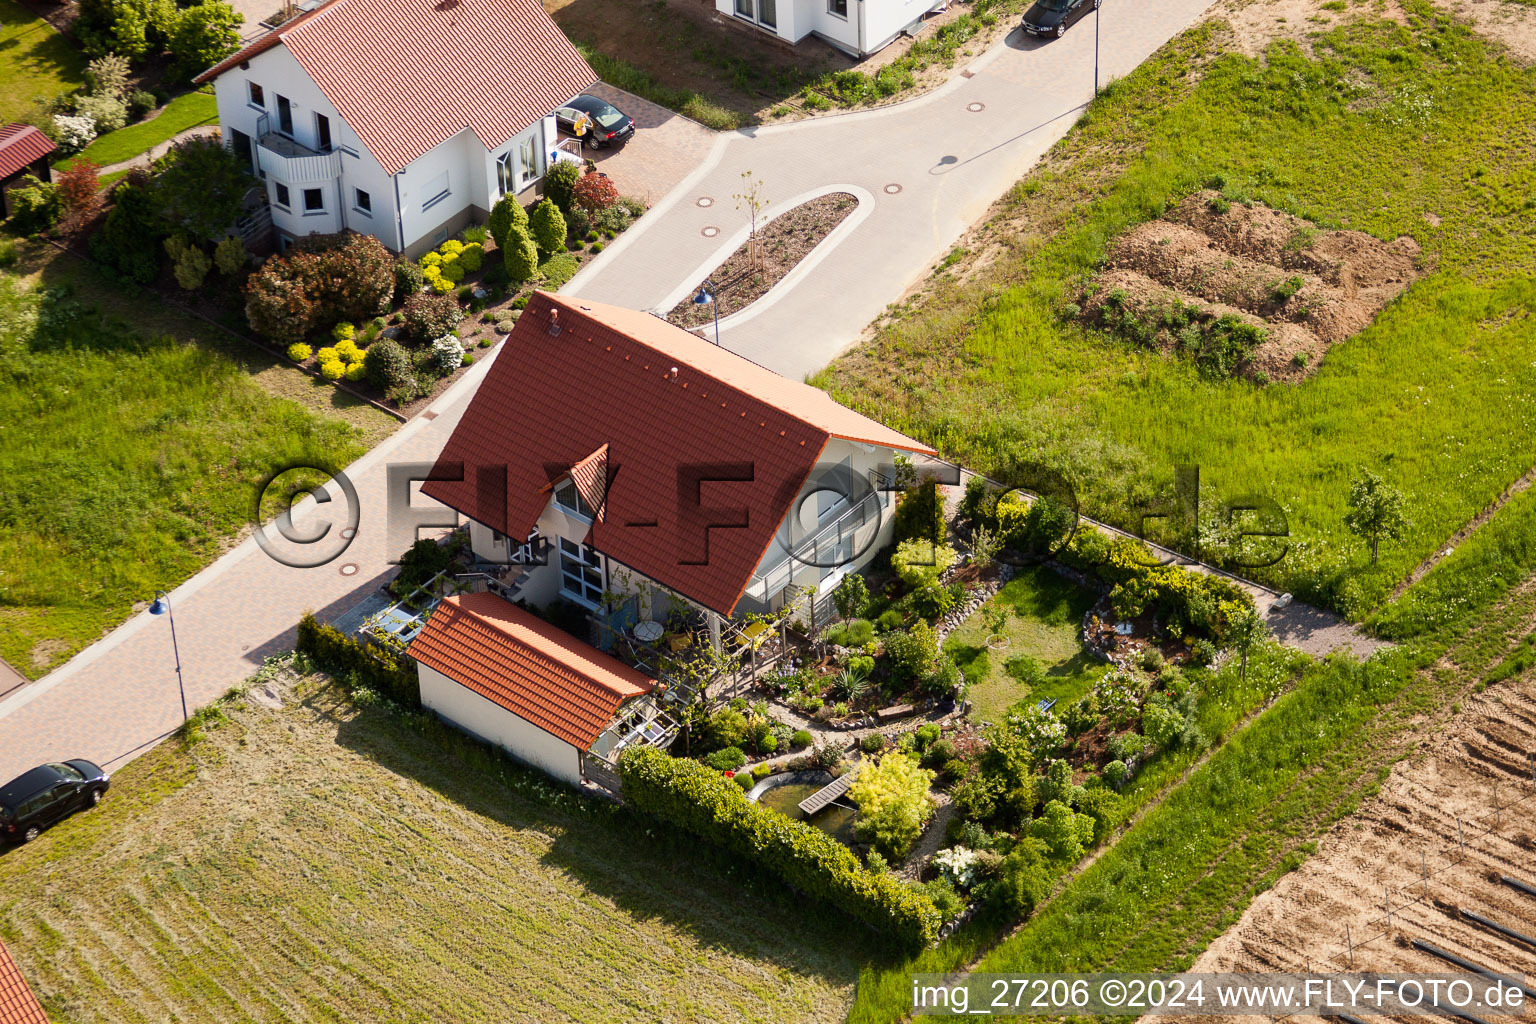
[1213,262]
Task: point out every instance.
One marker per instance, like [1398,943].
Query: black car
[596,122]
[1054,17]
[46,795]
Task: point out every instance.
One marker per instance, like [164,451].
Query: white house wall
[883,21]
[491,722]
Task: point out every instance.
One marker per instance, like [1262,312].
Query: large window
[285,116]
[322,133]
[528,162]
[506,175]
[581,572]
[570,499]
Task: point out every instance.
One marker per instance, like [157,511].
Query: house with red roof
[23,151]
[402,119]
[17,1003]
[661,479]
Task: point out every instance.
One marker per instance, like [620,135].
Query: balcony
[848,534]
[293,164]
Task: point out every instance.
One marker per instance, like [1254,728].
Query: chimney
[672,376]
[554,321]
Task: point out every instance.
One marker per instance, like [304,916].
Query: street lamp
[162,606]
[1098,15]
[706,297]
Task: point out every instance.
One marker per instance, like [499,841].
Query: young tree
[1245,632]
[751,197]
[204,34]
[594,192]
[79,193]
[893,803]
[203,187]
[560,184]
[1375,510]
[851,595]
[547,226]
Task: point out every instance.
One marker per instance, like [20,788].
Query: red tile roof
[17,1003]
[407,75]
[535,670]
[20,146]
[549,402]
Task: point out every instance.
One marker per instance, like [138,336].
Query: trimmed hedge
[340,655]
[700,800]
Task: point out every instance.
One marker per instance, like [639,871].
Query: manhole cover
[710,232]
[349,569]
[975,108]
[705,201]
[892,189]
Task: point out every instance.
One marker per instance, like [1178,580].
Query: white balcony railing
[836,544]
[293,164]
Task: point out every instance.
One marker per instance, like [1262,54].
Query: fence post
[1386,893]
[1350,944]
[1424,866]
[1460,841]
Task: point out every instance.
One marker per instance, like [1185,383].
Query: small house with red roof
[23,150]
[402,119]
[670,488]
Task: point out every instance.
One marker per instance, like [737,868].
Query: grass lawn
[36,63]
[183,112]
[1421,129]
[133,438]
[1045,613]
[322,862]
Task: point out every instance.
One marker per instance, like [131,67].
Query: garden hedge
[702,801]
[340,654]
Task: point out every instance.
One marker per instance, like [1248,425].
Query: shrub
[332,369]
[855,633]
[78,190]
[913,654]
[408,280]
[1024,879]
[727,759]
[889,620]
[520,256]
[939,754]
[299,351]
[429,317]
[507,214]
[348,352]
[354,662]
[1202,652]
[129,238]
[202,187]
[919,562]
[893,802]
[140,102]
[472,257]
[344,331]
[920,513]
[933,601]
[851,595]
[191,267]
[744,780]
[802,738]
[107,113]
[107,75]
[1127,746]
[726,728]
[1162,725]
[872,743]
[474,235]
[594,192]
[1115,773]
[447,353]
[945,899]
[229,256]
[694,798]
[547,226]
[323,279]
[73,133]
[387,365]
[560,184]
[1064,832]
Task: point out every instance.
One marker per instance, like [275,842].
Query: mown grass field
[323,862]
[1421,129]
[131,440]
[1045,614]
[36,63]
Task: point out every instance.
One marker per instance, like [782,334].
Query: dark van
[46,795]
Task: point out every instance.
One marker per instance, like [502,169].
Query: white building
[857,27]
[402,119]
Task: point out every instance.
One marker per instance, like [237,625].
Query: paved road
[949,160]
[120,695]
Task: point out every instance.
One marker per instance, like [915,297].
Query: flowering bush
[299,351]
[594,192]
[958,865]
[1040,730]
[427,317]
[74,133]
[448,353]
[1119,698]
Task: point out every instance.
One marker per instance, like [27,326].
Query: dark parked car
[48,794]
[1054,17]
[602,123]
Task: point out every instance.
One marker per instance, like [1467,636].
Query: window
[280,192]
[505,179]
[255,95]
[528,161]
[570,500]
[314,200]
[284,116]
[322,133]
[581,572]
[363,201]
[241,143]
[838,7]
[435,192]
[744,8]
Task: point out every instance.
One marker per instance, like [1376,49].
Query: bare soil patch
[1255,24]
[1214,262]
[752,270]
[1436,811]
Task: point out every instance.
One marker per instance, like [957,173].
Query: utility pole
[1098,16]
